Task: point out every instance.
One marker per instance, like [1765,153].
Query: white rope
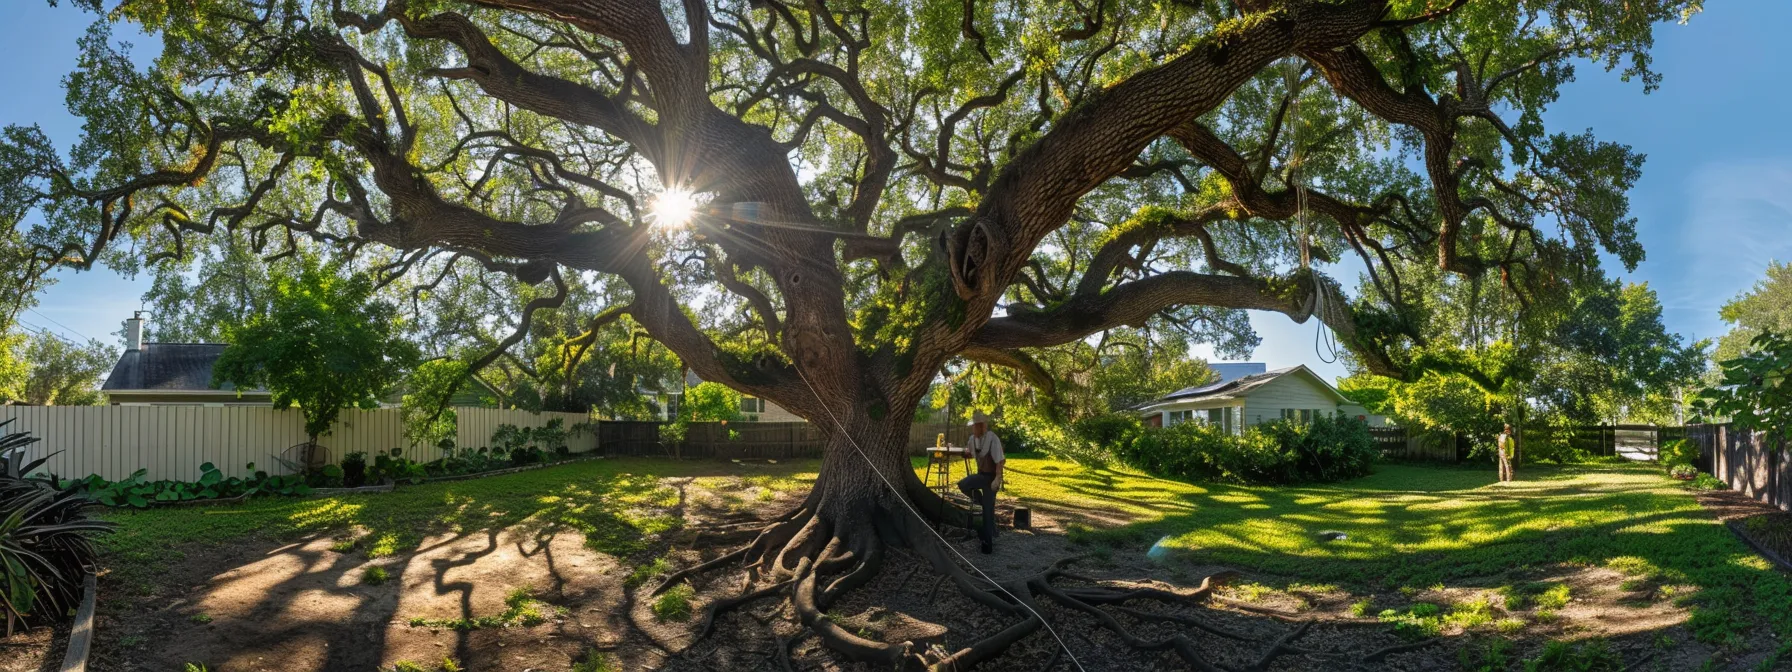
[1296,166]
[924,524]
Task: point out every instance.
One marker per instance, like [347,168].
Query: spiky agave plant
[46,545]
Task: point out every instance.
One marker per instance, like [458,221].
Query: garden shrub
[354,469]
[1549,446]
[1330,448]
[46,544]
[1678,452]
[1327,449]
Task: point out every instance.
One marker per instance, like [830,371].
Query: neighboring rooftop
[166,367]
[1230,371]
[1226,387]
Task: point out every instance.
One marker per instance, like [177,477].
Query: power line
[59,324]
[36,329]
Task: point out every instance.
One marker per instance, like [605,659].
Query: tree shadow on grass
[619,514]
[1411,527]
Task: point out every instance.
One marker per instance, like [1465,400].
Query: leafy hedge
[137,491]
[1678,452]
[1327,449]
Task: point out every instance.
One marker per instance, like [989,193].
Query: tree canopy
[323,345]
[826,203]
[1765,307]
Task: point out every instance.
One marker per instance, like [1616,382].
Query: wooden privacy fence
[172,441]
[743,440]
[1746,461]
[1400,444]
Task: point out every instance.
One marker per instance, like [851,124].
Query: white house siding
[1265,402]
[774,413]
[1356,411]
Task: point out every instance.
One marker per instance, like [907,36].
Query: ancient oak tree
[822,202]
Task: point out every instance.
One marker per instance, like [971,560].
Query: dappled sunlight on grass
[619,505]
[1411,526]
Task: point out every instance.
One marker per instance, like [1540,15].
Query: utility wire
[59,324]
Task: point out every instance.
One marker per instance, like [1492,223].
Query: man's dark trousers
[981,488]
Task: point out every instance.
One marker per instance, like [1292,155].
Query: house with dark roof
[171,374]
[1238,401]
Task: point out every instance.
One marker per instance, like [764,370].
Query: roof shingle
[167,367]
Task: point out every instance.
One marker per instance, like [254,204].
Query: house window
[1178,417]
[752,405]
[673,402]
[1300,415]
[1224,418]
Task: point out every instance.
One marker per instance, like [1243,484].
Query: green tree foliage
[428,421]
[324,345]
[221,283]
[710,402]
[1111,372]
[57,372]
[1604,356]
[1765,307]
[1756,389]
[872,192]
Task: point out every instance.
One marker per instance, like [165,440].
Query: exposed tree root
[813,560]
[1379,654]
[1279,647]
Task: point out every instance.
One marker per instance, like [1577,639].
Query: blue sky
[1713,207]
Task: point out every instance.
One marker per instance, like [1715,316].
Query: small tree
[1756,389]
[324,345]
[64,373]
[711,402]
[428,420]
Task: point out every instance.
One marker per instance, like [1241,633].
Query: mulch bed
[1762,526]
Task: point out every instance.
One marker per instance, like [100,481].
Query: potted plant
[1684,472]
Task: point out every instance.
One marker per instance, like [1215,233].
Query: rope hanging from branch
[1324,341]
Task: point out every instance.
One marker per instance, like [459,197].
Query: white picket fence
[172,441]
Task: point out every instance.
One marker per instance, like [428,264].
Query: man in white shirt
[1505,445]
[981,487]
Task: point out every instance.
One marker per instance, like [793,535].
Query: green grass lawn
[1413,526]
[1406,526]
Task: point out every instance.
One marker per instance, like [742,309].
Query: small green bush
[595,661]
[1594,656]
[1678,452]
[1717,626]
[374,575]
[674,604]
[1491,656]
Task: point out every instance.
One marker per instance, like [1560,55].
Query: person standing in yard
[1506,445]
[981,487]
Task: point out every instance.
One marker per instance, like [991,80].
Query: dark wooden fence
[1636,442]
[1746,461]
[1398,443]
[742,440]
